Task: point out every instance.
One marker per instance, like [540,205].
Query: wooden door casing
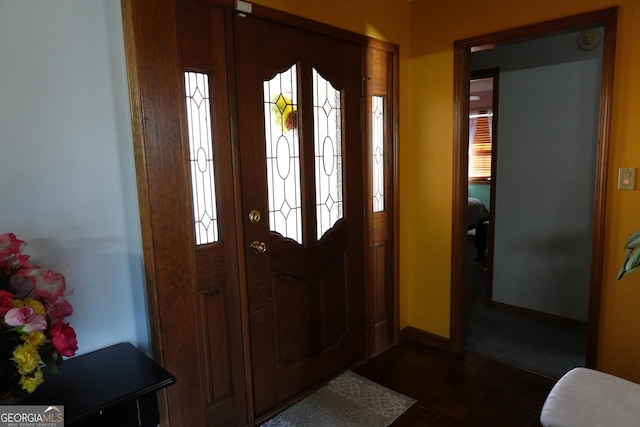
[193,291]
[462,52]
[158,153]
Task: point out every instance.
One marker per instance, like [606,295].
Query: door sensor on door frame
[243,6]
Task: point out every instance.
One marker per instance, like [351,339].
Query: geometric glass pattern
[283,154]
[327,108]
[377,132]
[201,157]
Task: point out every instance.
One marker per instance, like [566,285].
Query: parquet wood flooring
[458,390]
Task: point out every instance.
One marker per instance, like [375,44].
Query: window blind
[480,149]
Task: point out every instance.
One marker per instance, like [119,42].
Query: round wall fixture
[589,39]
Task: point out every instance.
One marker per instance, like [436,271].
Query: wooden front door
[299,118]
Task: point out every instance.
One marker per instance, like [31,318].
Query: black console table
[114,386]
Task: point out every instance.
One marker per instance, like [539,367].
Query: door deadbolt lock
[258,247]
[254,216]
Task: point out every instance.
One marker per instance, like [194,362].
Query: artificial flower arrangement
[33,331]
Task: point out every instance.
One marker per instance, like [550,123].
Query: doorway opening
[502,213]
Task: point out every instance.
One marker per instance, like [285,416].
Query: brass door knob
[258,247]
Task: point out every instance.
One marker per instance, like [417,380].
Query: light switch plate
[626,179]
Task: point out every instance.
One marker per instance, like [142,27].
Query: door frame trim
[462,50]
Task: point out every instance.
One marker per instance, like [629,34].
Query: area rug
[348,400]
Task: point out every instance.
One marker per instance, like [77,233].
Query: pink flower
[60,310]
[26,318]
[63,338]
[9,244]
[47,283]
[6,298]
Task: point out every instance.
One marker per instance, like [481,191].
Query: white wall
[546,149]
[67,177]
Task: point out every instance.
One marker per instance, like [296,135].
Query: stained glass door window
[281,111]
[201,159]
[327,109]
[283,154]
[377,131]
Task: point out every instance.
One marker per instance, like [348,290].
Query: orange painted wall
[425,30]
[434,28]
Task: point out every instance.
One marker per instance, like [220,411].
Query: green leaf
[634,241]
[631,263]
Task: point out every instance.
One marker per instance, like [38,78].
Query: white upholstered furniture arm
[589,398]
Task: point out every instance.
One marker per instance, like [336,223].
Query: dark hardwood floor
[458,390]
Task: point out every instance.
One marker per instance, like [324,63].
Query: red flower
[63,338]
[60,310]
[6,298]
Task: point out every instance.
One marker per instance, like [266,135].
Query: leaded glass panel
[201,157]
[377,132]
[283,154]
[327,109]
